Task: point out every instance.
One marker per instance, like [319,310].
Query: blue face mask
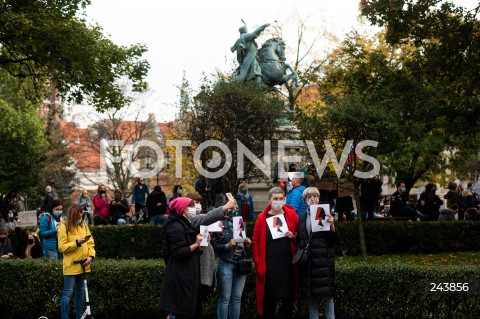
[403,190]
[79,221]
[57,213]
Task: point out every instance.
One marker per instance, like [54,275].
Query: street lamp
[167,159]
[167,162]
[148,159]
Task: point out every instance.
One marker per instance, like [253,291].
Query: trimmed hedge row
[144,241]
[130,289]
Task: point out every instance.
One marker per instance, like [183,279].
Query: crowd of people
[196,265]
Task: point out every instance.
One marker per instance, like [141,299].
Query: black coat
[179,294]
[152,201]
[318,278]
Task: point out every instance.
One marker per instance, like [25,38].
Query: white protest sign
[27,219]
[278,226]
[239,231]
[318,217]
[204,233]
[215,227]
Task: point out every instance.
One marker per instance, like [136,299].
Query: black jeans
[270,304]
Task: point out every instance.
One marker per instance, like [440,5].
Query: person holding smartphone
[76,243]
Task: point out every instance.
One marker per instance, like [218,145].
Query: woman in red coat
[273,247]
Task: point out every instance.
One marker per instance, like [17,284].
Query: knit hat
[180,204]
[157,189]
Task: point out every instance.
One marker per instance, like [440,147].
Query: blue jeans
[313,307]
[69,282]
[157,219]
[230,287]
[52,254]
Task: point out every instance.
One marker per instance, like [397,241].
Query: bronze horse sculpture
[271,58]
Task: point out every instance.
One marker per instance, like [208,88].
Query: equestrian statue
[266,65]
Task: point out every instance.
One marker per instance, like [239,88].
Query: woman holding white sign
[317,278]
[274,244]
[231,253]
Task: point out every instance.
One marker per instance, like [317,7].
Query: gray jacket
[207,258]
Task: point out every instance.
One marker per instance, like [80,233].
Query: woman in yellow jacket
[76,243]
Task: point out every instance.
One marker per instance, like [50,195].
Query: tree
[44,40]
[384,75]
[228,111]
[114,125]
[21,150]
[446,60]
[58,163]
[307,61]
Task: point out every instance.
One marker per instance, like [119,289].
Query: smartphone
[88,237]
[230,197]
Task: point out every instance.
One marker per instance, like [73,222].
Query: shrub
[145,241]
[130,289]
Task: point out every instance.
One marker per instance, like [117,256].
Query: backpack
[49,221]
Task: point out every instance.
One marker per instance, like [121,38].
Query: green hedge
[144,241]
[130,289]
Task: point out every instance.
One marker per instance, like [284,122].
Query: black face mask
[31,241]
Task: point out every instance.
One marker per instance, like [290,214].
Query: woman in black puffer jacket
[317,278]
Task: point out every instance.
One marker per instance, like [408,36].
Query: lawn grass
[458,258]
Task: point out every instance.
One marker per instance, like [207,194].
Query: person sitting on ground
[118,209]
[177,192]
[472,214]
[34,246]
[157,206]
[6,251]
[84,201]
[429,203]
[449,214]
[468,197]
[8,220]
[401,206]
[101,202]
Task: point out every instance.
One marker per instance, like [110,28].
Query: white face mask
[179,191]
[191,212]
[198,208]
[311,201]
[277,205]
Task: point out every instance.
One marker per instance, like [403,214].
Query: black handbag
[244,267]
[301,256]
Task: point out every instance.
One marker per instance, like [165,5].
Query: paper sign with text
[27,219]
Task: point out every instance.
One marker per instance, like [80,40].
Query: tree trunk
[361,233]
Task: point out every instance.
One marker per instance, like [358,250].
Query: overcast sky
[195,36]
